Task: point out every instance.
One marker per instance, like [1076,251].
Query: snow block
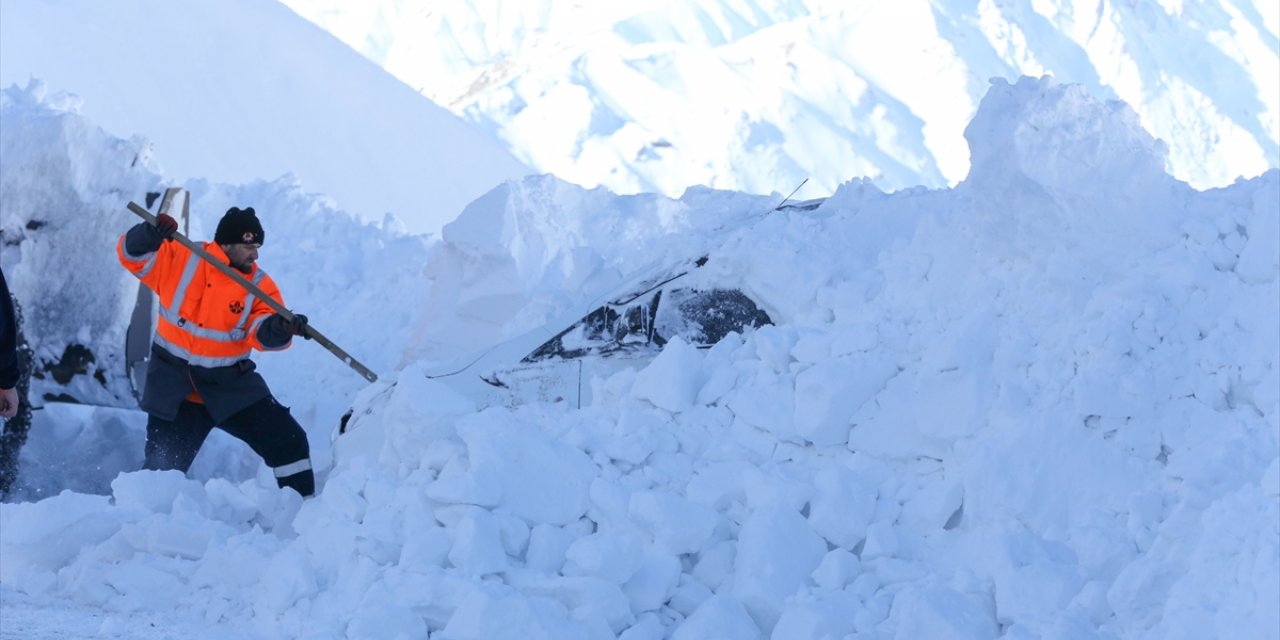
[720,618]
[718,484]
[425,546]
[940,612]
[287,578]
[1060,137]
[688,596]
[932,506]
[456,486]
[228,503]
[677,525]
[715,564]
[183,536]
[73,520]
[881,542]
[417,400]
[548,545]
[766,401]
[843,506]
[1036,591]
[837,570]
[673,379]
[828,615]
[387,621]
[953,403]
[153,491]
[830,392]
[1033,578]
[777,552]
[477,544]
[611,556]
[498,613]
[887,428]
[776,486]
[652,584]
[1139,593]
[541,480]
[514,532]
[1259,261]
[720,381]
[647,627]
[140,586]
[588,599]
[636,435]
[773,345]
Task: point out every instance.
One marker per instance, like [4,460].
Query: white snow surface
[757,95]
[237,91]
[1044,403]
[1041,403]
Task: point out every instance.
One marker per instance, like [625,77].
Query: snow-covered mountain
[757,95]
[239,91]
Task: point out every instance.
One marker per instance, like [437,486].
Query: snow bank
[62,179]
[530,248]
[1021,406]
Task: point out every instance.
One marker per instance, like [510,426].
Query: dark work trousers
[266,426]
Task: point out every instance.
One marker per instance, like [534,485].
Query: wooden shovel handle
[235,276]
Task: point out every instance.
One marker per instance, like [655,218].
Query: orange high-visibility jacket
[208,325]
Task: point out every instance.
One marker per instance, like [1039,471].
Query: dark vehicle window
[701,318]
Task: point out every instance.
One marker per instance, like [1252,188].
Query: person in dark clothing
[8,353]
[15,372]
[200,375]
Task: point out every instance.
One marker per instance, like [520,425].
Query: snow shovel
[262,295]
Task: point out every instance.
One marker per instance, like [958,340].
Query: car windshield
[700,317]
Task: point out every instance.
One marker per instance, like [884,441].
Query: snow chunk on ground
[672,380]
[539,479]
[777,552]
[719,617]
[677,525]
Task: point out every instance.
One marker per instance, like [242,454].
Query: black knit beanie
[239,226]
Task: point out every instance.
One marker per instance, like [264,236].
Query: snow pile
[61,178]
[531,248]
[1043,404]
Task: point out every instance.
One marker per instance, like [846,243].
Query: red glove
[166,225]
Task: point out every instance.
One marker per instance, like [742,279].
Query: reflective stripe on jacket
[207,327]
[206,318]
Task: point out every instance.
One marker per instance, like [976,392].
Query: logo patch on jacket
[237,307]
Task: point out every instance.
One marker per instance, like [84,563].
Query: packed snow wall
[63,185]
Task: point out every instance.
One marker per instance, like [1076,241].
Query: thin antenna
[784,200]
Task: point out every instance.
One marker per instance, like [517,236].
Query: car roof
[639,282]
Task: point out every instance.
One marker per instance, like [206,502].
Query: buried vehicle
[625,327]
